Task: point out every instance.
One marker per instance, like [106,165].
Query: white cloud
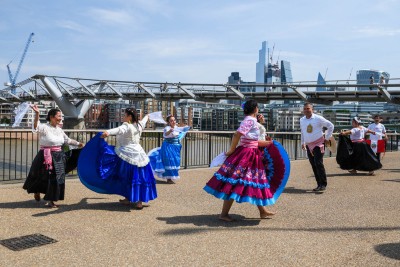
[71,25]
[111,16]
[370,31]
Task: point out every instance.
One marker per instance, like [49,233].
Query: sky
[198,41]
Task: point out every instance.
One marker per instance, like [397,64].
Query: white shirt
[175,132]
[311,129]
[379,129]
[128,143]
[358,133]
[52,136]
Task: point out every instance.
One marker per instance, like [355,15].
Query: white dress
[128,145]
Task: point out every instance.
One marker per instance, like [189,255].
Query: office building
[370,76]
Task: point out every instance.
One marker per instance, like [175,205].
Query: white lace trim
[139,158]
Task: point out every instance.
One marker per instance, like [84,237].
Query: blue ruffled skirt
[102,171]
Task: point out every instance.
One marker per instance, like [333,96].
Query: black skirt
[356,156]
[51,182]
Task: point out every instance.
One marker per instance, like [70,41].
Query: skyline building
[260,66]
[364,76]
[320,81]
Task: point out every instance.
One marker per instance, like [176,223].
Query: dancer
[313,141]
[242,177]
[124,169]
[356,155]
[379,137]
[47,173]
[166,161]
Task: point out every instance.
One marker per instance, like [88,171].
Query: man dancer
[313,141]
[380,131]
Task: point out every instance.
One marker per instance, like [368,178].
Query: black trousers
[317,164]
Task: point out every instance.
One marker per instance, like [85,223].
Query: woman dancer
[47,173]
[242,177]
[362,158]
[166,161]
[123,170]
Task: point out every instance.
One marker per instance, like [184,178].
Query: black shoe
[322,188]
[318,188]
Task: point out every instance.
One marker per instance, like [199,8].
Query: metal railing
[19,147]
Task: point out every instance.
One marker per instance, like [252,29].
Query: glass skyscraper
[260,66]
[365,76]
[321,81]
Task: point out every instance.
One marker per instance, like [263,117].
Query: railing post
[209,148]
[186,152]
[296,147]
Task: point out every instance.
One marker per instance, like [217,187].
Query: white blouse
[263,131]
[50,136]
[175,132]
[128,143]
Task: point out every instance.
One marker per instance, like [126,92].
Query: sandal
[51,204]
[138,206]
[36,196]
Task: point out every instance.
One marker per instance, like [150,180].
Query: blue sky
[198,41]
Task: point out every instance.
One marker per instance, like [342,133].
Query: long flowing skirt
[356,156]
[102,171]
[166,161]
[256,176]
[51,182]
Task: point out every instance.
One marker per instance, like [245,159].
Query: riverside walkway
[356,222]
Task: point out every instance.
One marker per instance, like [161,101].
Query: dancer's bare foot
[169,181]
[265,214]
[226,218]
[124,201]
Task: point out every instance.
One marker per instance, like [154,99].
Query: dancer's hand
[104,135]
[230,152]
[35,108]
[304,147]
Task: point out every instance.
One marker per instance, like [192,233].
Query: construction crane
[13,78]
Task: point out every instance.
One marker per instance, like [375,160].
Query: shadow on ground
[390,250]
[241,225]
[81,205]
[211,220]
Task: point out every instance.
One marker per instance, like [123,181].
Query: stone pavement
[356,222]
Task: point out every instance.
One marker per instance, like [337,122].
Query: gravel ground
[356,222]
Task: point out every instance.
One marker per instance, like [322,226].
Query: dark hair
[52,112]
[308,104]
[132,112]
[249,107]
[169,117]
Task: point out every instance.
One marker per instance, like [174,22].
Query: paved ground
[356,222]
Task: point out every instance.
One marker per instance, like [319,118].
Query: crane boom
[13,79]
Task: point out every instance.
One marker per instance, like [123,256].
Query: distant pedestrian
[382,80]
[371,81]
[313,140]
